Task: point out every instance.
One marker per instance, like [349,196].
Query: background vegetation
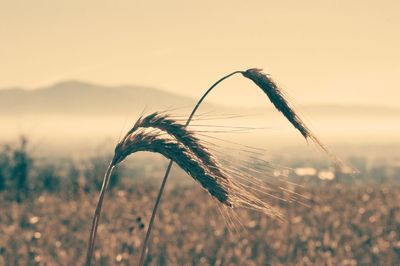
[46,207]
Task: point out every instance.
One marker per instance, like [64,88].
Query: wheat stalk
[168,170]
[139,140]
[276,96]
[178,144]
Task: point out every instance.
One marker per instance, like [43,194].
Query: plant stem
[153,214]
[168,170]
[97,213]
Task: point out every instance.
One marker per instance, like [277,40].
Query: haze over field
[89,114]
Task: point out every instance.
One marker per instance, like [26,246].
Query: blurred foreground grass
[345,224]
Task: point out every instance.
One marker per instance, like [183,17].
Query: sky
[343,52]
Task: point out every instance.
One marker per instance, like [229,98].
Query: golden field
[344,224]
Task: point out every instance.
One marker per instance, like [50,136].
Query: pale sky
[320,51]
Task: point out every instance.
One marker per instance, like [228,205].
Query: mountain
[78,98]
[75,97]
[81,98]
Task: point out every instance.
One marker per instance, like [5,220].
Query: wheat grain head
[192,156]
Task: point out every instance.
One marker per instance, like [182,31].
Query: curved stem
[168,170]
[153,214]
[97,213]
[206,93]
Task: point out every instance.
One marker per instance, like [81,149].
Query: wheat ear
[237,195]
[138,140]
[181,134]
[277,97]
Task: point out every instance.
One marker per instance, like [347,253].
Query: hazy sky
[320,51]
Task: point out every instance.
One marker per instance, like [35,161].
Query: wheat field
[345,225]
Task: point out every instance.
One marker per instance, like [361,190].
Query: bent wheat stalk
[219,184]
[138,140]
[276,96]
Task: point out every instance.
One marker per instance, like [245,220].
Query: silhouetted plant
[20,167]
[48,179]
[73,177]
[4,167]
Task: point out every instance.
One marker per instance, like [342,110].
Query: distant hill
[81,98]
[75,97]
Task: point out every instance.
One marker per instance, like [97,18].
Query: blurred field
[47,206]
[345,225]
